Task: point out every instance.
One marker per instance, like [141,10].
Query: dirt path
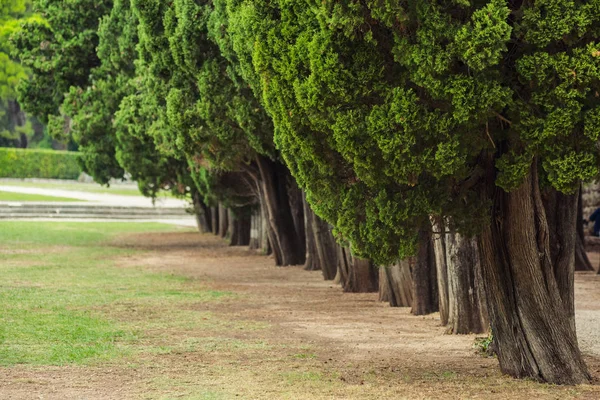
[298,337]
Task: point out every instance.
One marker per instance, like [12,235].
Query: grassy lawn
[64,301]
[10,196]
[124,190]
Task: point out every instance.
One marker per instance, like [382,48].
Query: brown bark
[326,246]
[582,261]
[240,221]
[312,262]
[214,213]
[223,223]
[230,226]
[439,249]
[425,293]
[202,213]
[356,275]
[395,284]
[529,285]
[467,312]
[283,235]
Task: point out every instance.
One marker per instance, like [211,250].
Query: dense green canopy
[384,110]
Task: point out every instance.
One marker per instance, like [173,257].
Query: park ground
[153,311]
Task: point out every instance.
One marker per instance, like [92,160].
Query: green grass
[10,196]
[64,301]
[124,190]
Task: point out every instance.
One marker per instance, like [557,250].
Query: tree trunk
[214,213]
[395,284]
[312,262]
[255,222]
[296,201]
[582,262]
[356,275]
[529,284]
[467,312]
[223,223]
[439,249]
[326,246]
[202,213]
[231,219]
[425,293]
[265,230]
[239,226]
[283,237]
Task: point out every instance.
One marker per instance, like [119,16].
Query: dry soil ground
[285,333]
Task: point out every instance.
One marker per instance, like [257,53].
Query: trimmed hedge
[38,163]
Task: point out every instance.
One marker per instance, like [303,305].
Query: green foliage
[386,112]
[47,164]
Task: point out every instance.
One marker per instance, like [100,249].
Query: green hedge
[38,163]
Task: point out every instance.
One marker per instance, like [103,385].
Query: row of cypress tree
[445,140]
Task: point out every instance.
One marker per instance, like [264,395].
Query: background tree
[16,128]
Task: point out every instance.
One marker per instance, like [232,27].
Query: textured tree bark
[466,312]
[223,222]
[395,284]
[582,261]
[312,262]
[356,275]
[214,213]
[326,246]
[264,231]
[439,249]
[529,283]
[283,237]
[202,213]
[424,273]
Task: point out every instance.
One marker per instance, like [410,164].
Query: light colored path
[183,221]
[100,198]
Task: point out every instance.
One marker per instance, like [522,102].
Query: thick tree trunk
[425,291]
[214,213]
[356,275]
[467,312]
[439,249]
[395,284]
[529,283]
[582,262]
[326,246]
[283,236]
[223,223]
[312,262]
[202,213]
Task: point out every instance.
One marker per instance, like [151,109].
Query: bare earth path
[288,334]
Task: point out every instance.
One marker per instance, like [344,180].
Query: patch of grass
[485,345]
[11,196]
[305,356]
[63,301]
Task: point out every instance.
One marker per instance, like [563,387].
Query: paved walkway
[100,198]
